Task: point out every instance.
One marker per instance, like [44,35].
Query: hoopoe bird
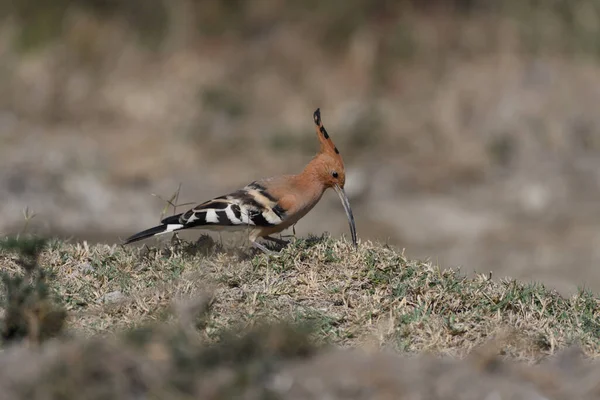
[270,205]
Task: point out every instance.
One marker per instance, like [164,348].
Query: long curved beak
[348,210]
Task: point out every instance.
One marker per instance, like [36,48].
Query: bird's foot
[264,249]
[175,240]
[280,242]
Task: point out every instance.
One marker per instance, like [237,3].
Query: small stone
[85,267]
[112,297]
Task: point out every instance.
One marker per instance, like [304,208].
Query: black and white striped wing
[250,206]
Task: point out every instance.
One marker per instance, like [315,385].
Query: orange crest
[327,145]
[329,161]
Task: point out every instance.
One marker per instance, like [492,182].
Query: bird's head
[330,168]
[330,171]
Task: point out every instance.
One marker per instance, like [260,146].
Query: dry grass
[369,296]
[195,317]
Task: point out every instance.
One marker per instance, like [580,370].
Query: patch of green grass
[349,295]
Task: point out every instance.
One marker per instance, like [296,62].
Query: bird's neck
[309,180]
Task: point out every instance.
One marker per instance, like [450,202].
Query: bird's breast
[298,212]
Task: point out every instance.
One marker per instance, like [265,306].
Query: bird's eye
[334,174]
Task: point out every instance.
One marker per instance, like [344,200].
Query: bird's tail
[170,224]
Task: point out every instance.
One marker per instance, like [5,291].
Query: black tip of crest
[317,116]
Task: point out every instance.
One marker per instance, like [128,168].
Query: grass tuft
[30,310]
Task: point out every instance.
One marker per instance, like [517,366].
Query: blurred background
[470,128]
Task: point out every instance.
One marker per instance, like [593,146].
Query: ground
[321,318]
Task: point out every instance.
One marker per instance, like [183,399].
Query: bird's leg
[262,248]
[292,235]
[175,240]
[275,240]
